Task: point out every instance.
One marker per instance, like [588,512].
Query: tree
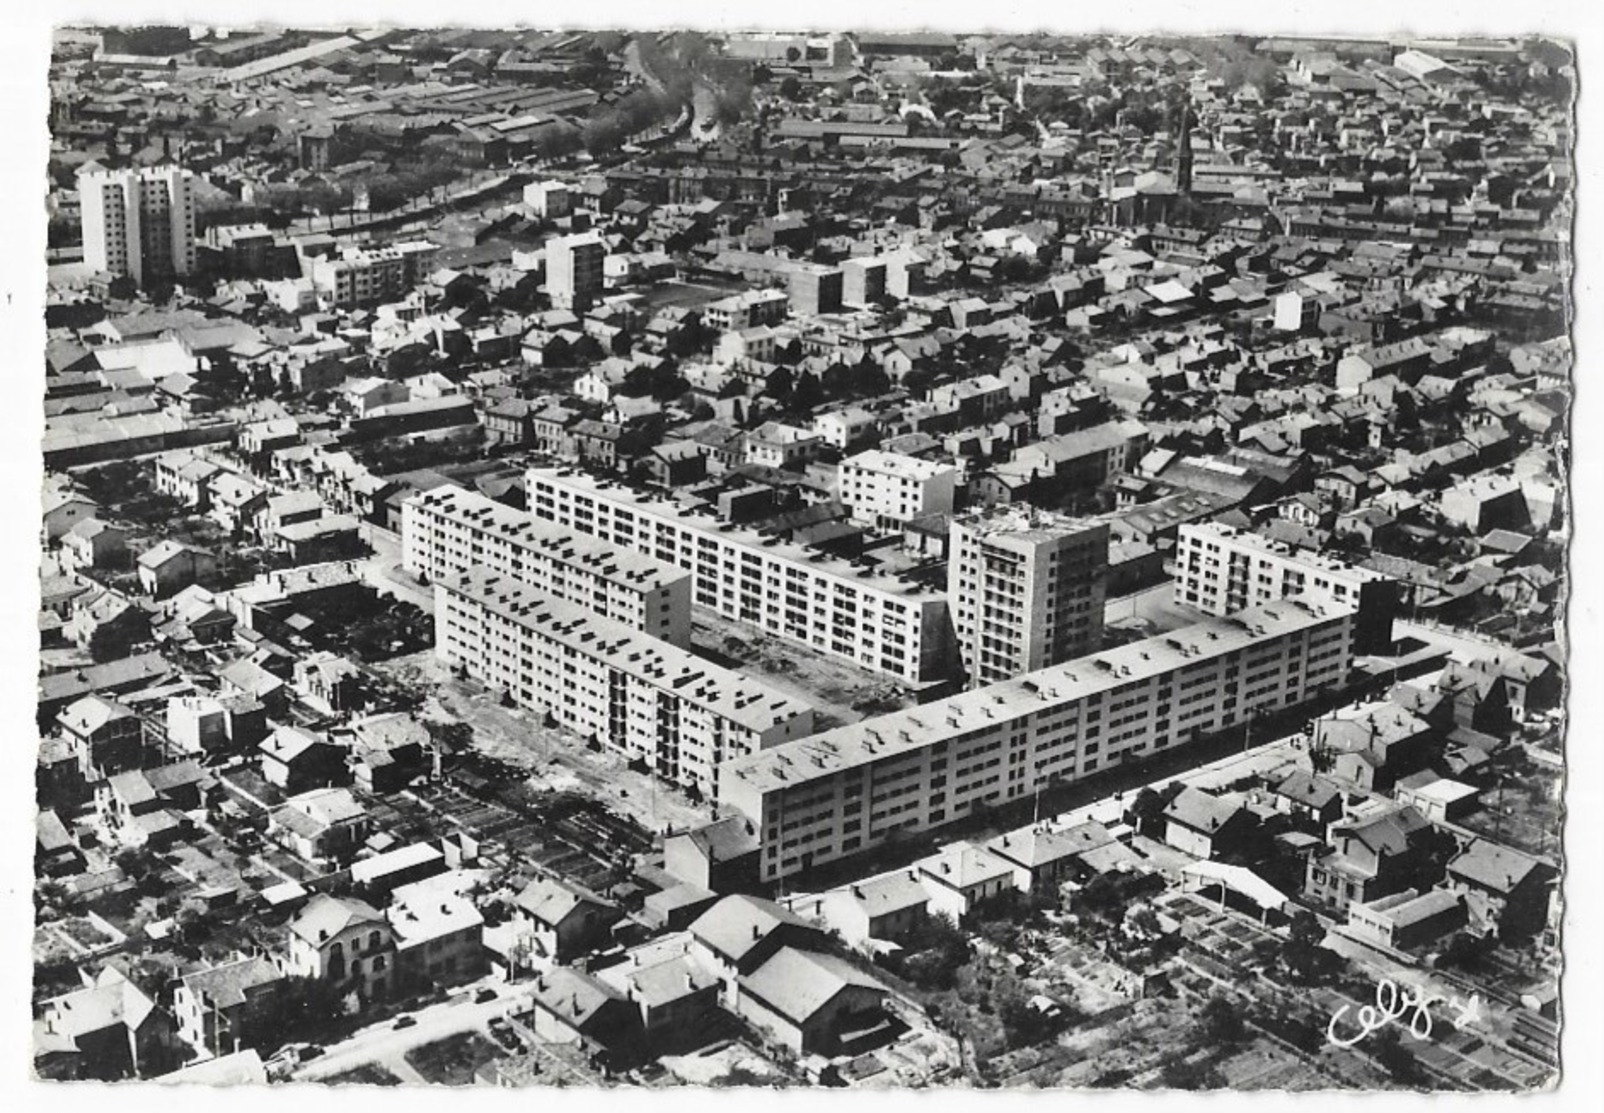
[1101,896]
[837,380]
[302,1008]
[791,88]
[1146,812]
[1183,1074]
[933,952]
[1397,1060]
[1023,1023]
[780,383]
[806,395]
[1303,956]
[1144,920]
[870,381]
[452,738]
[1222,1022]
[1464,951]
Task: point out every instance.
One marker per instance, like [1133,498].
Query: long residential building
[652,701]
[1220,570]
[451,529]
[365,276]
[847,790]
[887,624]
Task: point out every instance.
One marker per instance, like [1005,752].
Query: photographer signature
[1392,1005]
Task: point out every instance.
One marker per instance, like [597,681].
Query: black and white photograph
[643,554]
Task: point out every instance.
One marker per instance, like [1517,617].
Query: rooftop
[900,732]
[742,699]
[896,465]
[683,513]
[1024,523]
[1246,539]
[552,542]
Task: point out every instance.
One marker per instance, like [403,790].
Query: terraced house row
[844,791]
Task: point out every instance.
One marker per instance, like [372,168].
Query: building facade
[885,489]
[139,223]
[883,623]
[853,788]
[1220,570]
[1026,588]
[748,310]
[575,270]
[363,277]
[679,713]
[451,529]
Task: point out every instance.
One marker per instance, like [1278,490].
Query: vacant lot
[368,1074]
[1523,813]
[453,1060]
[556,759]
[837,691]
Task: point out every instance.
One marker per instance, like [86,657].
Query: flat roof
[553,542]
[670,509]
[1249,540]
[895,464]
[904,731]
[749,702]
[1026,523]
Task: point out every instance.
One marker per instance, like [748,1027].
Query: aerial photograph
[815,558]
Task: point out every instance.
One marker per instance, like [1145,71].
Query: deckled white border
[23,59]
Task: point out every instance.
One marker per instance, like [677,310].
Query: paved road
[386,1044]
[383,572]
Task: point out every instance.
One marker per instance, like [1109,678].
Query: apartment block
[1220,570]
[648,699]
[886,624]
[139,223]
[575,270]
[814,288]
[847,790]
[1026,588]
[885,489]
[752,309]
[549,200]
[450,529]
[863,282]
[363,276]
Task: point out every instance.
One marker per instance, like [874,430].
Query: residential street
[387,1045]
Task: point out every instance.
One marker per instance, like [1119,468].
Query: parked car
[485,994]
[406,1020]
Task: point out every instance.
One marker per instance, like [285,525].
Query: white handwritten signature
[1392,1005]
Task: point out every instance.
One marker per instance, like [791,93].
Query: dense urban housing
[823,556]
